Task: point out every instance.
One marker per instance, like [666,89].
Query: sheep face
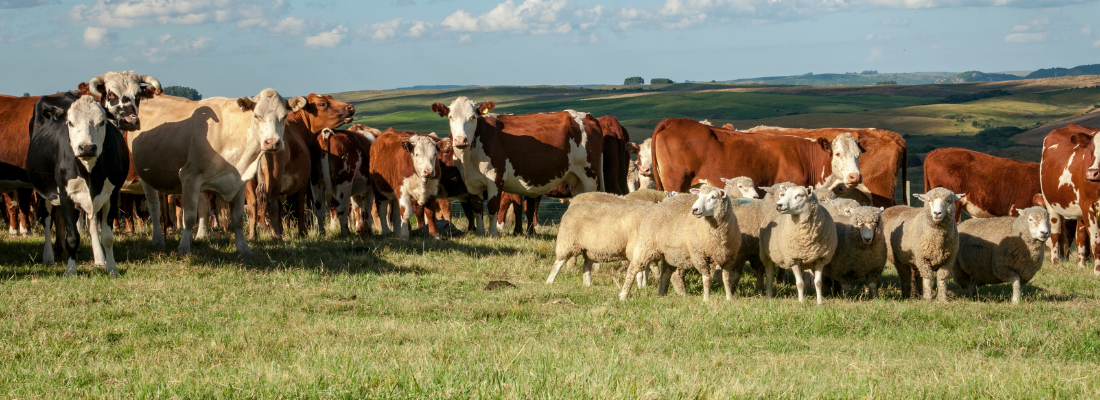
[867,220]
[845,207]
[743,185]
[940,203]
[708,201]
[825,195]
[1038,222]
[793,200]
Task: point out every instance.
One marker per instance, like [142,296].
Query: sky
[238,47]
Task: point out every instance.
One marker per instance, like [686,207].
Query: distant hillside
[979,76]
[1093,69]
[431,87]
[849,79]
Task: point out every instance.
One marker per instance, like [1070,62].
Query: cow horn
[151,81]
[93,86]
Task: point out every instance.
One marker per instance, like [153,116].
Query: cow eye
[323,104]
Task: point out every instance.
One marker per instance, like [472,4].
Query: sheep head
[710,199]
[796,200]
[868,220]
[1038,222]
[940,203]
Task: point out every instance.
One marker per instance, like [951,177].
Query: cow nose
[460,142]
[272,144]
[854,178]
[644,171]
[1093,174]
[87,150]
[351,109]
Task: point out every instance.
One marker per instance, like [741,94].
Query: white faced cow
[215,144]
[77,161]
[528,155]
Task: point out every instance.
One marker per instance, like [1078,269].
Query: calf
[77,161]
[345,174]
[452,188]
[403,171]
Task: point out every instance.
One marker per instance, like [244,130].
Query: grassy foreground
[329,318]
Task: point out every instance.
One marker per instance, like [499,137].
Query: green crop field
[380,318]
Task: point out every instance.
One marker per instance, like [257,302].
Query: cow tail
[264,182]
[904,163]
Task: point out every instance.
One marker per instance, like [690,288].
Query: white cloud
[876,54]
[134,13]
[289,26]
[417,29]
[167,45]
[383,30]
[533,16]
[1030,37]
[327,39]
[96,37]
[896,22]
[7,4]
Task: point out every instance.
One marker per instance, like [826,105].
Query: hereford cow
[452,188]
[404,172]
[212,144]
[523,154]
[77,161]
[17,203]
[1069,176]
[687,153]
[640,174]
[345,174]
[288,172]
[884,154]
[994,186]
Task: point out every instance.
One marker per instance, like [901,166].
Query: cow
[687,153]
[17,205]
[452,188]
[404,172]
[77,161]
[994,186]
[215,144]
[288,172]
[616,154]
[640,174]
[885,154]
[1069,176]
[523,154]
[345,174]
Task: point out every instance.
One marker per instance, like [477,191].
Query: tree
[25,94]
[661,81]
[183,91]
[634,80]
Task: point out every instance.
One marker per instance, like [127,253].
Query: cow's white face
[709,199]
[424,154]
[743,185]
[87,124]
[845,161]
[1038,222]
[645,158]
[463,121]
[121,92]
[269,111]
[1093,172]
[940,203]
[793,200]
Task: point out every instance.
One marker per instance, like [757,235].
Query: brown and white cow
[523,154]
[288,172]
[452,188]
[16,206]
[346,177]
[1069,176]
[994,186]
[885,153]
[404,173]
[687,153]
[212,144]
[640,174]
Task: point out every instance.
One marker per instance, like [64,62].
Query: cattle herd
[819,204]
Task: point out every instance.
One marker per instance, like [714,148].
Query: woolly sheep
[825,195]
[924,240]
[702,234]
[860,250]
[741,187]
[841,208]
[604,197]
[1004,249]
[598,231]
[649,195]
[802,237]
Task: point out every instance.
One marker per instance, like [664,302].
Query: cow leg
[251,207]
[494,209]
[13,214]
[343,203]
[383,206]
[506,204]
[300,213]
[92,218]
[468,210]
[275,214]
[1054,241]
[531,211]
[189,202]
[26,198]
[204,216]
[69,214]
[1082,246]
[1094,240]
[237,216]
[404,206]
[444,209]
[361,206]
[47,225]
[107,239]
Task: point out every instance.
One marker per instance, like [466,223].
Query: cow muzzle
[1093,174]
[645,171]
[272,145]
[87,151]
[460,142]
[853,179]
[129,123]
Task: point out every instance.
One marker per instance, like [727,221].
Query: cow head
[1038,222]
[645,158]
[1092,143]
[940,203]
[710,198]
[269,111]
[326,112]
[463,114]
[845,153]
[87,124]
[743,185]
[120,93]
[868,220]
[795,200]
[424,153]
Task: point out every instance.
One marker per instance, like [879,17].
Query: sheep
[649,195]
[840,208]
[702,233]
[860,250]
[924,240]
[741,187]
[803,236]
[825,195]
[1004,249]
[599,231]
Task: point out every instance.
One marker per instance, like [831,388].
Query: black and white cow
[77,161]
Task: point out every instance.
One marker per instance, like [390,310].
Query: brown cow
[452,188]
[288,172]
[994,186]
[403,172]
[1069,175]
[523,154]
[17,209]
[346,175]
[885,153]
[687,153]
[616,154]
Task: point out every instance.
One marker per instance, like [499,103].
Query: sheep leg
[666,276]
[642,277]
[941,284]
[799,283]
[905,279]
[554,271]
[677,279]
[587,271]
[631,272]
[769,281]
[706,285]
[1017,288]
[819,283]
[727,277]
[927,287]
[845,288]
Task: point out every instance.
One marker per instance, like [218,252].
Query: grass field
[380,318]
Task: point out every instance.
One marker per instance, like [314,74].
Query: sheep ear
[767,190]
[921,197]
[671,194]
[694,191]
[721,193]
[1020,211]
[960,196]
[726,181]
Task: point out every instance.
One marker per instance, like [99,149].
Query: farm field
[380,318]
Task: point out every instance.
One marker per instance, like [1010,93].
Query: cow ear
[54,113]
[433,135]
[861,148]
[246,104]
[485,107]
[407,145]
[633,148]
[824,143]
[148,92]
[326,133]
[83,89]
[441,109]
[296,103]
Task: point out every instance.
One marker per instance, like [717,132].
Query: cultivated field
[330,318]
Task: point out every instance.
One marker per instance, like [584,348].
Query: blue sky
[237,48]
